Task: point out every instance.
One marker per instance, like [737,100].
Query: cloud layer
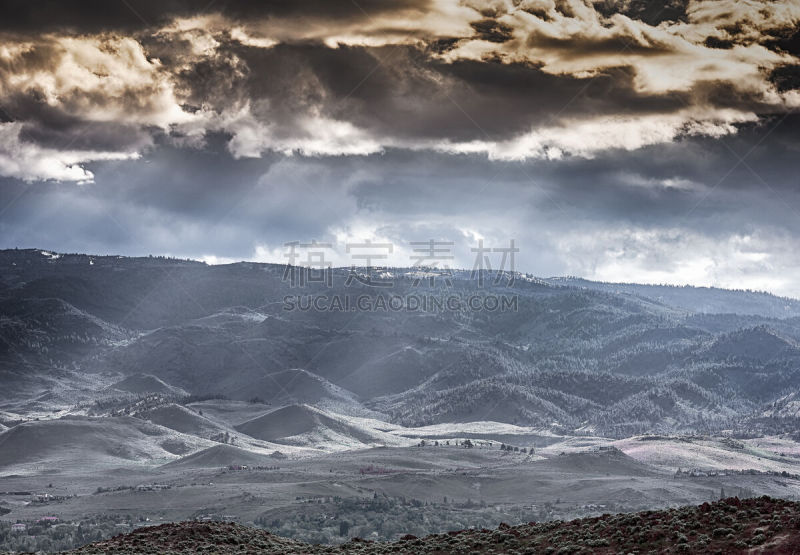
[618,139]
[511,80]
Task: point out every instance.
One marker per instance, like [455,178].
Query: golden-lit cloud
[28,161]
[444,76]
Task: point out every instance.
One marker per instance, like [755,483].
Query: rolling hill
[181,419]
[303,425]
[80,442]
[221,455]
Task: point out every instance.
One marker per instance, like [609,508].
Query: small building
[18,527]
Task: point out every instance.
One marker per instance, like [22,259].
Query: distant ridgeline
[709,300]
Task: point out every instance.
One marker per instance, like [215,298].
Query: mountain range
[568,355]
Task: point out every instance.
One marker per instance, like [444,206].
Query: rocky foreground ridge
[761,525]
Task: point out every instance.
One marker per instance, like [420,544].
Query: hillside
[705,300]
[56,445]
[145,383]
[220,456]
[303,425]
[296,385]
[761,525]
[181,419]
[574,357]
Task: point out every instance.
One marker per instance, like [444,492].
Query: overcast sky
[616,140]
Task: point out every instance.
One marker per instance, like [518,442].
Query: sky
[629,140]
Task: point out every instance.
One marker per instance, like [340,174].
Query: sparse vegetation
[694,529]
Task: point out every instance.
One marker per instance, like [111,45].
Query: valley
[143,391]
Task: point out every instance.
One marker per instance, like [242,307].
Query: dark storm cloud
[697,182]
[492,30]
[651,12]
[408,96]
[786,78]
[516,82]
[90,16]
[55,127]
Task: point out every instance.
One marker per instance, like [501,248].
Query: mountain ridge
[568,356]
